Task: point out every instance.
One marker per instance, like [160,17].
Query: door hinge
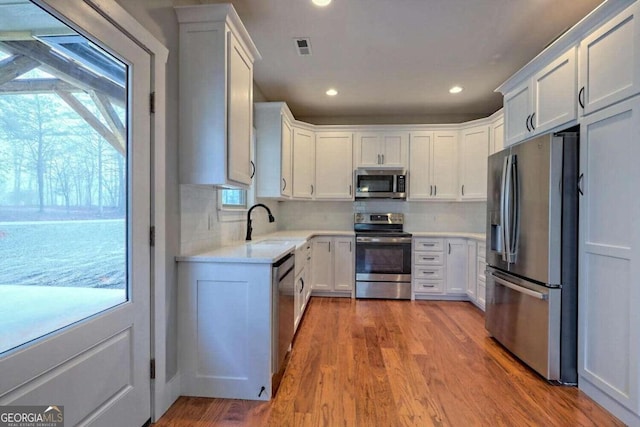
[152,235]
[152,102]
[152,369]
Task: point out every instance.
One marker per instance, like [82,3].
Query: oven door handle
[384,240]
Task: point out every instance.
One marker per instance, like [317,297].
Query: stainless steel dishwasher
[282,277]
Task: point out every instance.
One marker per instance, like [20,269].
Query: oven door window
[383,259]
[375,183]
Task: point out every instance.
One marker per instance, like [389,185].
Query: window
[64,174]
[234,199]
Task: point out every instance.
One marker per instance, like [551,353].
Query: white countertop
[265,249]
[269,248]
[476,236]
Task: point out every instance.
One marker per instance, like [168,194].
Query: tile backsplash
[203,227]
[419,216]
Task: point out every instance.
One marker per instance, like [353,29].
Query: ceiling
[399,57]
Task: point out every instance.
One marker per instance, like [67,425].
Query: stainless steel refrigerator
[532,242]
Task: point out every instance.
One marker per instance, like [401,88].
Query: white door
[394,149]
[474,150]
[420,186]
[609,267]
[334,170]
[344,262]
[517,105]
[74,302]
[303,163]
[444,165]
[457,272]
[555,90]
[368,149]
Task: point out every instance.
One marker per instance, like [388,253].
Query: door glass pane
[63,176]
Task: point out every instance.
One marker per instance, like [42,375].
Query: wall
[419,216]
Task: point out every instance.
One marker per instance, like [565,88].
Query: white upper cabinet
[382,149]
[433,165]
[420,155]
[610,61]
[334,167]
[546,101]
[303,166]
[273,147]
[474,150]
[497,134]
[517,105]
[444,165]
[216,96]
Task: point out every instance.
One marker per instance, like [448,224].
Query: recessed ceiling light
[455,89]
[332,92]
[321,3]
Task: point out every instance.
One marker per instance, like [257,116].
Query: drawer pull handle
[429,272]
[428,286]
[428,258]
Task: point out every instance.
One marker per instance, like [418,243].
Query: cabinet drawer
[428,258]
[435,273]
[428,245]
[428,286]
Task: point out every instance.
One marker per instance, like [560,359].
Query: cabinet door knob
[312,189]
[431,190]
[253,169]
[581,97]
[449,248]
[382,158]
[463,189]
[302,283]
[284,184]
[350,189]
[435,190]
[527,123]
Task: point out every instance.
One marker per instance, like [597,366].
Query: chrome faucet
[249,228]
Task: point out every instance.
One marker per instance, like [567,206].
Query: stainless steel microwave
[381,184]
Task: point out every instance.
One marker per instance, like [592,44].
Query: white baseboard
[611,405]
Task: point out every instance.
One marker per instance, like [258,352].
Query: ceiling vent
[303,45]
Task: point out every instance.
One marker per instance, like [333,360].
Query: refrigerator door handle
[504,207]
[526,291]
[514,215]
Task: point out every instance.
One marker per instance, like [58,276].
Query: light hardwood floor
[398,363]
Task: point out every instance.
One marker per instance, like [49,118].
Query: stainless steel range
[383,256]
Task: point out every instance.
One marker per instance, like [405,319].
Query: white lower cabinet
[481,281]
[448,268]
[609,260]
[332,267]
[224,330]
[302,286]
[457,263]
[472,282]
